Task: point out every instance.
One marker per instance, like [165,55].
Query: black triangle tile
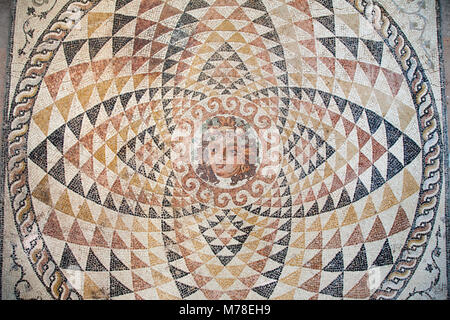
[329,43]
[93,263]
[410,150]
[375,48]
[92,114]
[116,264]
[177,273]
[58,171]
[119,42]
[68,260]
[385,256]
[75,125]
[394,166]
[71,48]
[274,274]
[392,134]
[185,290]
[360,191]
[336,264]
[266,290]
[335,288]
[359,263]
[57,138]
[120,21]
[96,44]
[39,155]
[116,288]
[351,44]
[327,22]
[93,194]
[196,4]
[76,185]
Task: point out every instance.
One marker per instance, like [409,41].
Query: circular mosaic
[220,158]
[242,149]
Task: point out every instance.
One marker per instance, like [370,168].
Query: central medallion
[226,151]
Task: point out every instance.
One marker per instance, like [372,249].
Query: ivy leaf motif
[30,33]
[438,252]
[429,268]
[43,15]
[31,11]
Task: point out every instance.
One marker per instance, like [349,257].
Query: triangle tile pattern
[102,160]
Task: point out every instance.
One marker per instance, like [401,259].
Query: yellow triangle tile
[299,242]
[102,88]
[91,290]
[405,114]
[95,20]
[137,79]
[154,260]
[237,37]
[63,204]
[332,223]
[120,225]
[42,118]
[205,257]
[135,126]
[351,20]
[226,25]
[159,278]
[410,185]
[103,220]
[316,225]
[369,209]
[225,283]
[113,165]
[84,95]
[245,257]
[245,49]
[42,191]
[351,150]
[100,155]
[345,86]
[152,243]
[63,105]
[137,226]
[350,217]
[236,270]
[389,199]
[124,133]
[384,101]
[165,296]
[296,261]
[293,278]
[112,143]
[135,181]
[214,269]
[84,213]
[286,296]
[121,82]
[197,244]
[151,227]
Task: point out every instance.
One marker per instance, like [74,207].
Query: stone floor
[313,229]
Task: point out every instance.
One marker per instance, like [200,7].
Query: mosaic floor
[212,149]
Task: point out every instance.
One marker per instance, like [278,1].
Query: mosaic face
[224,150]
[228,150]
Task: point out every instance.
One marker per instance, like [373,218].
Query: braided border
[32,241]
[422,225]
